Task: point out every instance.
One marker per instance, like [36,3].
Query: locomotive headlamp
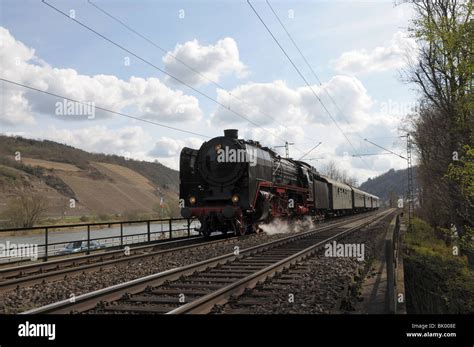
[192,200]
[218,147]
[235,198]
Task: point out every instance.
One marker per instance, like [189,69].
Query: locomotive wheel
[205,230]
[239,229]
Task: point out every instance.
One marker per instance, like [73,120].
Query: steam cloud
[279,226]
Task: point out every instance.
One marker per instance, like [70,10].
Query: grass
[423,239]
[437,281]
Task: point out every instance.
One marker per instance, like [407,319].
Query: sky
[205,66]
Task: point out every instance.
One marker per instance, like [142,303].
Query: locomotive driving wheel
[239,227]
[205,230]
[242,228]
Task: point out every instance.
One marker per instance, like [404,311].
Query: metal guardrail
[394,268]
[169,229]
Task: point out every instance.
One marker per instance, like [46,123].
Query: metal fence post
[88,238]
[148,230]
[121,234]
[171,228]
[45,244]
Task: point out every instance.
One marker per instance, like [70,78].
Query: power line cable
[385,149]
[304,155]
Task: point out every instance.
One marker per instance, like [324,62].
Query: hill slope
[100,184]
[393,181]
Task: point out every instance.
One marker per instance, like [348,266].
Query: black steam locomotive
[231,184]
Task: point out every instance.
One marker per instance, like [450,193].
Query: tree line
[442,126]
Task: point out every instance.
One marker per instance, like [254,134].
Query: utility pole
[287,149]
[411,203]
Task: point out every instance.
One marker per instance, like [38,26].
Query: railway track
[198,287]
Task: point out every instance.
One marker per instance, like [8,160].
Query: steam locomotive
[231,184]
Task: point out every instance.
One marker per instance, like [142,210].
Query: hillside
[100,184]
[393,181]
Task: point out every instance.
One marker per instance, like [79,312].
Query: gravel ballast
[319,285]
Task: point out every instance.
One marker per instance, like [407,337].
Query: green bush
[84,219]
[103,217]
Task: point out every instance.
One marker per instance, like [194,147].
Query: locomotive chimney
[231,133]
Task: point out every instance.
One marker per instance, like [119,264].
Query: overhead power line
[312,149]
[370,154]
[385,149]
[104,109]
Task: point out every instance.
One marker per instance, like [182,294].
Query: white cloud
[392,56]
[15,107]
[168,147]
[148,98]
[131,142]
[127,141]
[274,136]
[212,62]
[265,102]
[167,150]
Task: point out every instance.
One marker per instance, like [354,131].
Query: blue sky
[353,46]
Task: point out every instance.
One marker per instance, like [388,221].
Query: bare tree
[26,208]
[333,171]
